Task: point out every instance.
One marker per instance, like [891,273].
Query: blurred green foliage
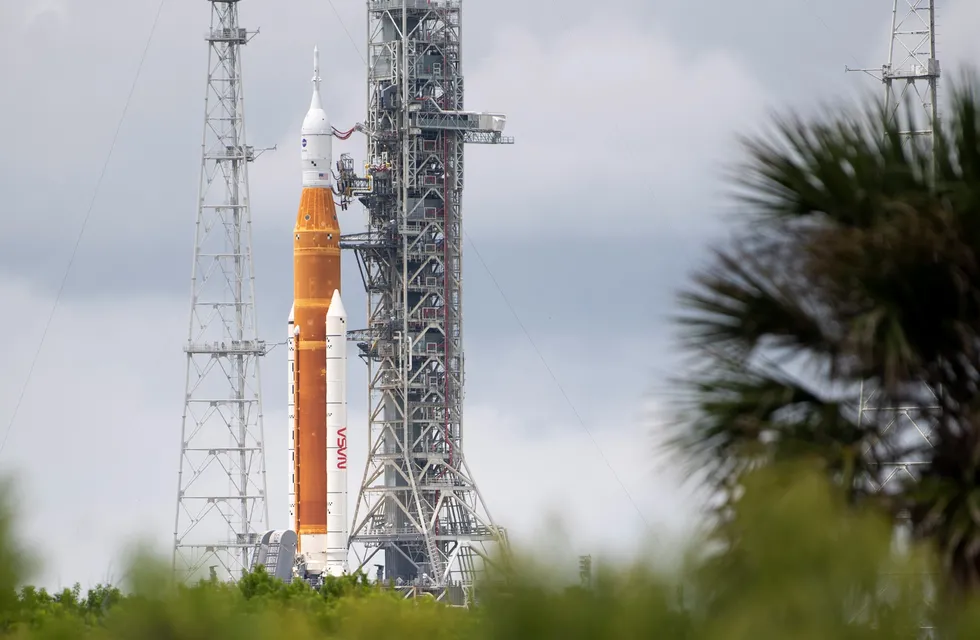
[797,562]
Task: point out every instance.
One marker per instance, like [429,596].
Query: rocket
[317,361]
[337,531]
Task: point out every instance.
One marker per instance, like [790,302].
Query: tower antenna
[418,503]
[221,494]
[911,75]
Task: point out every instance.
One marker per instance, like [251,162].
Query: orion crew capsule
[316,143]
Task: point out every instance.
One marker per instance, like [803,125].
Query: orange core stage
[316,274]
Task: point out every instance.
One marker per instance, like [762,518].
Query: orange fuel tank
[316,274]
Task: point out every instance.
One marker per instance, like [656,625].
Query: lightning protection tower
[911,75]
[221,495]
[418,502]
[910,78]
[912,71]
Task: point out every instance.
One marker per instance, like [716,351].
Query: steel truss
[912,70]
[911,75]
[221,495]
[910,78]
[418,501]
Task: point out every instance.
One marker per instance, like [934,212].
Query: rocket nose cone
[337,306]
[292,312]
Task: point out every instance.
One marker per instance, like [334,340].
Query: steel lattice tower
[912,64]
[910,77]
[221,496]
[418,501]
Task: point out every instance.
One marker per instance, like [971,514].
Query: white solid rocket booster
[291,412]
[336,408]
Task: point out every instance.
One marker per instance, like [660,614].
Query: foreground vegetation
[805,565]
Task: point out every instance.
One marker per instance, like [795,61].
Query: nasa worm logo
[342,448]
[304,143]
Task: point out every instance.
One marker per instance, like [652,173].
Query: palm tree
[859,266]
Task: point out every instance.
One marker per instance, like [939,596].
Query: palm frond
[735,416]
[750,296]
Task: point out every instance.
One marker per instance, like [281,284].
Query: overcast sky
[625,113]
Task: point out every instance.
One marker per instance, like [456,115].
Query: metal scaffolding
[221,495]
[418,501]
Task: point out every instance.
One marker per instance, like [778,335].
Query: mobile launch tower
[418,502]
[221,493]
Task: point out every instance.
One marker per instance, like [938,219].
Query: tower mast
[221,495]
[911,75]
[910,79]
[912,70]
[418,502]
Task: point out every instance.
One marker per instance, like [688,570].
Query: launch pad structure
[418,502]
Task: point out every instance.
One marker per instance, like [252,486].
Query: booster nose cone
[316,138]
[337,309]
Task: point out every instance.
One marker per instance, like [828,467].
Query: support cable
[81,232]
[557,382]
